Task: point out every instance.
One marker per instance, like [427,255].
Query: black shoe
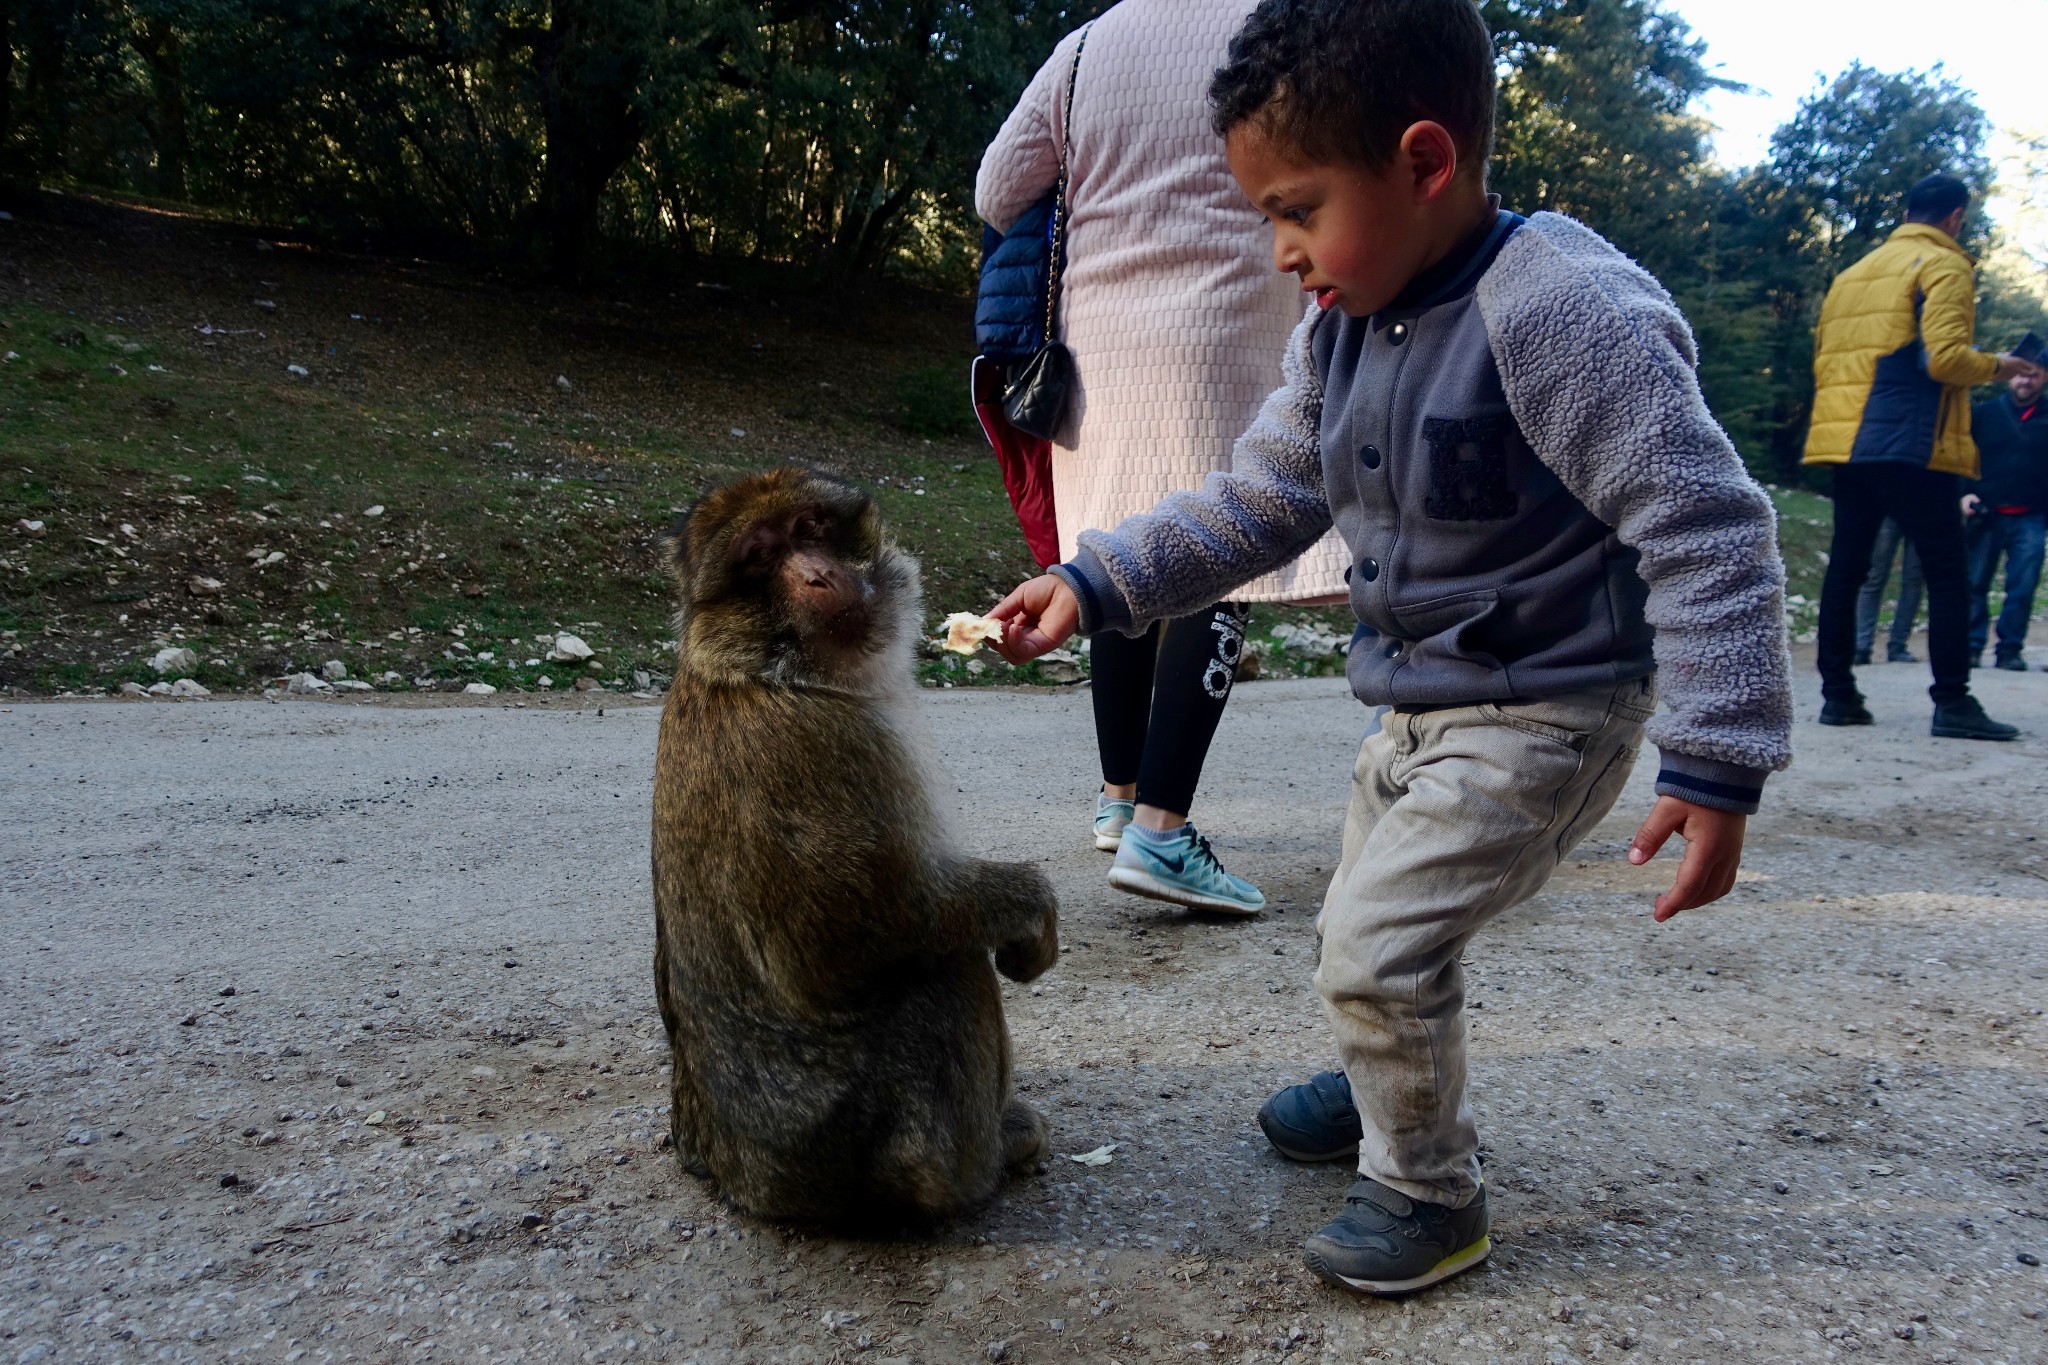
[1313,1121]
[1862,658]
[2011,663]
[1899,654]
[1965,719]
[1387,1243]
[1846,713]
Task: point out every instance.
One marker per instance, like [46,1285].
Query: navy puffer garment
[1009,311]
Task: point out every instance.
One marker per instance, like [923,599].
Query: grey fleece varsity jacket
[1534,497]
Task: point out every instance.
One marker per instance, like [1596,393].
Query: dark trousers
[1158,698]
[2021,537]
[1871,600]
[1926,507]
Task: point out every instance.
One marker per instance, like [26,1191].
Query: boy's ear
[1430,154]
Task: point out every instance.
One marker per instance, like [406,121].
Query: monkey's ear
[675,541]
[867,528]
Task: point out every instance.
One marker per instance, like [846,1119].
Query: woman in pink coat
[1177,319]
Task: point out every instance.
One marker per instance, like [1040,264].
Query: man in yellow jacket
[1893,366]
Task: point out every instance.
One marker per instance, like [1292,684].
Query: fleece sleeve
[1948,324]
[1597,363]
[1194,547]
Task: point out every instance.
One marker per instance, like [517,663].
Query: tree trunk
[158,43]
[7,157]
[590,63]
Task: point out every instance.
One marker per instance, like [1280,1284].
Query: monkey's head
[786,577]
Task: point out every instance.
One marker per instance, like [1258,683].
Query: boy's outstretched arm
[1713,851]
[1194,546]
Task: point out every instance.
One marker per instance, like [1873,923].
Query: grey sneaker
[1313,1121]
[1183,871]
[1386,1243]
[1111,816]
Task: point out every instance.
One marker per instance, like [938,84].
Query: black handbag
[1037,393]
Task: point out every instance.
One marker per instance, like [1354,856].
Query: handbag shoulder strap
[1057,264]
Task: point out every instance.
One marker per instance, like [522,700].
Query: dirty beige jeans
[1457,814]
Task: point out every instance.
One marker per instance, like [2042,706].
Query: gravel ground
[330,1036]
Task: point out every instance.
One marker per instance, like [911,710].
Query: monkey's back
[830,1059]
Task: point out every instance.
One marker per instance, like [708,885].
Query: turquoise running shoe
[1111,815]
[1181,868]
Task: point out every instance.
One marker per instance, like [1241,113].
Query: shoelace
[1203,850]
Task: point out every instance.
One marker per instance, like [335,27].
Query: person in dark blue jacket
[2008,511]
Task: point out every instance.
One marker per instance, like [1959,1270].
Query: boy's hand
[1036,618]
[1713,851]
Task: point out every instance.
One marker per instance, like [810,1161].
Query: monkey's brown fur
[822,951]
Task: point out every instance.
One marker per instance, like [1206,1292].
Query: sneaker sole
[1951,732]
[1840,720]
[1454,1264]
[1145,884]
[1109,843]
[1312,1158]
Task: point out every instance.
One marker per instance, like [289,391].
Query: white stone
[562,383]
[185,687]
[199,585]
[334,670]
[375,511]
[300,370]
[353,685]
[133,689]
[570,649]
[174,659]
[388,677]
[478,690]
[306,683]
[543,681]
[32,527]
[159,689]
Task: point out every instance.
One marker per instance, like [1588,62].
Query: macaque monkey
[825,957]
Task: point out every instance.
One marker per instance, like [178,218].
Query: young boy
[1501,417]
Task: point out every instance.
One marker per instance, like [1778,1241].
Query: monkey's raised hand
[1027,959]
[1026,918]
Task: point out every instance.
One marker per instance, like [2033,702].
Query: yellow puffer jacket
[1893,362]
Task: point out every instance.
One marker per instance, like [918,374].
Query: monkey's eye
[808,529]
[758,549]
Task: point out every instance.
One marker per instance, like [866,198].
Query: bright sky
[1784,48]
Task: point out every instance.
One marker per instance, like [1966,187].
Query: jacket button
[1394,650]
[1347,573]
[1370,568]
[1397,334]
[1370,456]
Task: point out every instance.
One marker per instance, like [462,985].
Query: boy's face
[1352,235]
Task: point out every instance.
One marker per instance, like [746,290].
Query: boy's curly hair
[1341,80]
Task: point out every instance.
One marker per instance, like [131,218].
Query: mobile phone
[2030,349]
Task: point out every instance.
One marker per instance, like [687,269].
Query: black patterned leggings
[1158,698]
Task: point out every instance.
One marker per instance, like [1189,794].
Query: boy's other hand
[1713,851]
[1037,618]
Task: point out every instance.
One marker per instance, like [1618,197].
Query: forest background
[587,136]
[381,338]
[840,136]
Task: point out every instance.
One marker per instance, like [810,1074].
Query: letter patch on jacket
[1468,468]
